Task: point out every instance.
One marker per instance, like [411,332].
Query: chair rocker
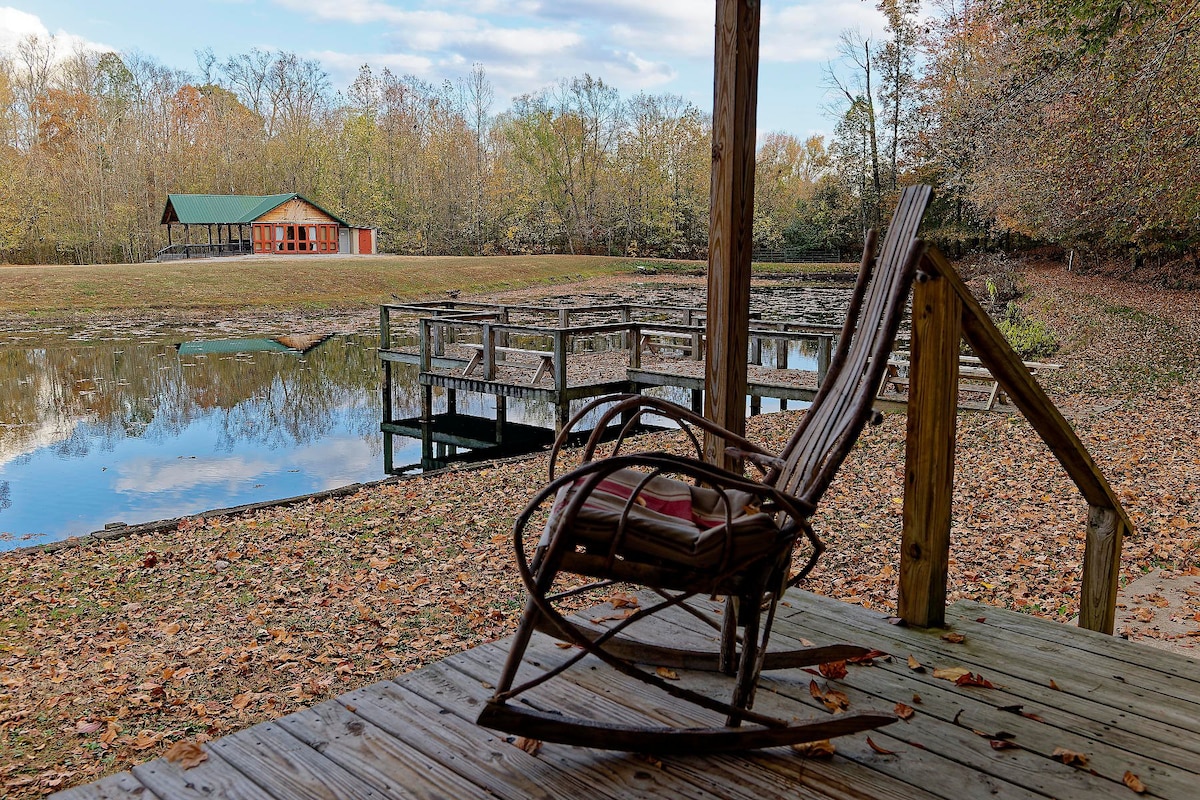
[686,529]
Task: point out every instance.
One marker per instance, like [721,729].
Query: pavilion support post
[731,219]
[929,456]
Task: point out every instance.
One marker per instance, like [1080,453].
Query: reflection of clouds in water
[146,475]
[5,495]
[336,462]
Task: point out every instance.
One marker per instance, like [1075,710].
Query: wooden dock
[1069,713]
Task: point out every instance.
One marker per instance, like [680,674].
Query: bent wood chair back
[843,405]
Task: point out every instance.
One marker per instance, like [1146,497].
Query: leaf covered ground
[113,650]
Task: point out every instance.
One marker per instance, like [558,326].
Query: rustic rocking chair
[620,519]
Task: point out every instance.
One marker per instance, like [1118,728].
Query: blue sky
[636,45]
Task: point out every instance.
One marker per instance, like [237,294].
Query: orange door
[364,240]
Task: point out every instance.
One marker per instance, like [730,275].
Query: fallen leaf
[667,673]
[971,679]
[950,673]
[916,698]
[186,754]
[915,665]
[623,600]
[955,638]
[882,751]
[867,658]
[531,746]
[835,701]
[1133,782]
[1001,744]
[903,711]
[833,670]
[822,748]
[1054,685]
[88,726]
[1070,757]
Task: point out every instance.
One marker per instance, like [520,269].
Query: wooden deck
[1123,707]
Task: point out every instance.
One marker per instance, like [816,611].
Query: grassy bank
[313,282]
[267,281]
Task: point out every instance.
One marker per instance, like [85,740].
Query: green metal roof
[220,209]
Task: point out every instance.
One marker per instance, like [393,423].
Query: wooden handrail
[1107,523]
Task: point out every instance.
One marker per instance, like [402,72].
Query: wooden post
[781,362]
[501,417]
[489,352]
[824,354]
[426,361]
[731,219]
[929,453]
[560,362]
[635,352]
[1101,570]
[385,343]
[626,317]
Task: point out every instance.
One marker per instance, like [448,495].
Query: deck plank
[1171,663]
[1094,682]
[481,756]
[119,786]
[288,769]
[373,754]
[213,777]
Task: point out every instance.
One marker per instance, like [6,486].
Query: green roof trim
[222,209]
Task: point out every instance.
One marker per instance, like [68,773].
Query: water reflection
[96,429]
[136,430]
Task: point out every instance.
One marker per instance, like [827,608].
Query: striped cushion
[671,521]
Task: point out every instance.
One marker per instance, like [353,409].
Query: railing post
[1101,569]
[824,351]
[489,352]
[929,453]
[439,348]
[626,317]
[560,361]
[385,343]
[425,356]
[635,352]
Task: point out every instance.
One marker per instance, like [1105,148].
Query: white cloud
[809,31]
[17,26]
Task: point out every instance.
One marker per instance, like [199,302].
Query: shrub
[1031,338]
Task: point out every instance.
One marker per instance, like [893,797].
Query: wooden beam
[929,451]
[731,220]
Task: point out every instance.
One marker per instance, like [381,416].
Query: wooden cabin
[277,223]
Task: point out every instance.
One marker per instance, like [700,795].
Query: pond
[110,426]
